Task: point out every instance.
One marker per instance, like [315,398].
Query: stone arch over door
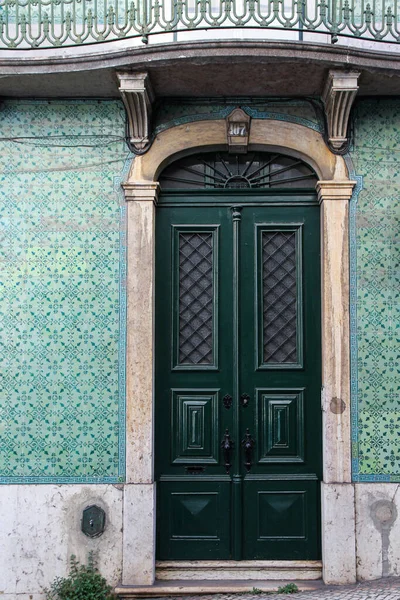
[334,191]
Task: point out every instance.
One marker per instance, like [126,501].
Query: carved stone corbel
[138,97]
[340,91]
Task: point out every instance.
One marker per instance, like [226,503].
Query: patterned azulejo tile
[63,310]
[376,431]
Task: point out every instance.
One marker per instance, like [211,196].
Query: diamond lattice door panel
[279,297]
[238,432]
[196,298]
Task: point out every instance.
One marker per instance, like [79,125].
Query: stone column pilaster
[338,510]
[139,492]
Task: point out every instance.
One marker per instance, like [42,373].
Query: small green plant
[83,583]
[256,591]
[289,588]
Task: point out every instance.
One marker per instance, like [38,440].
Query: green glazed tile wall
[62,314]
[376,410]
[62,287]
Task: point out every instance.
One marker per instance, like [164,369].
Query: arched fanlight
[220,170]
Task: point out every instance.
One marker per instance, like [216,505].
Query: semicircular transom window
[220,170]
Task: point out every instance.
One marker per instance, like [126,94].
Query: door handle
[227,448]
[248,444]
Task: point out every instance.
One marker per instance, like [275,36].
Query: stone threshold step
[253,570]
[192,588]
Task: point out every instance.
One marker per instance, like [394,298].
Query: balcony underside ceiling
[199,69]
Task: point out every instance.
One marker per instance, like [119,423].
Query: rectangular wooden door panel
[280,520]
[280,425]
[195,430]
[194,521]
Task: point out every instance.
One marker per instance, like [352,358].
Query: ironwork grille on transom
[196,298]
[220,170]
[279,297]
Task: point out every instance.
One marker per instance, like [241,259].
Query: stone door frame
[334,190]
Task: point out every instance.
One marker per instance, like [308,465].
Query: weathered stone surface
[242,570]
[378,530]
[334,197]
[338,96]
[139,534]
[40,529]
[199,69]
[384,589]
[139,372]
[338,533]
[275,135]
[138,97]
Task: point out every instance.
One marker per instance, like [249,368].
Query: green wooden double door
[238,378]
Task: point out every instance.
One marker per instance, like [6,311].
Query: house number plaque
[238,131]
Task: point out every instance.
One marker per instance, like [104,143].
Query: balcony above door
[200,48]
[229,68]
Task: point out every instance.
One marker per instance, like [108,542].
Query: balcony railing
[27,24]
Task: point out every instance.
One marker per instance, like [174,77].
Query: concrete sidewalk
[381,589]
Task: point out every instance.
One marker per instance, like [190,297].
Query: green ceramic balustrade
[28,24]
